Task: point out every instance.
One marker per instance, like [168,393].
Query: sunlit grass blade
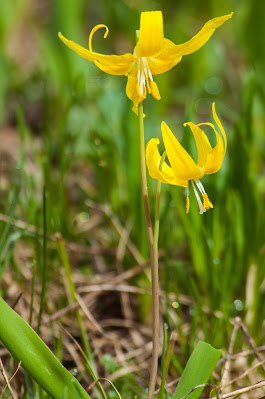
[44,258]
[197,371]
[37,359]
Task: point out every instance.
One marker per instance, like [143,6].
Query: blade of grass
[197,371]
[44,261]
[32,291]
[11,215]
[37,359]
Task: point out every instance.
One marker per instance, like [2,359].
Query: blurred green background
[68,126]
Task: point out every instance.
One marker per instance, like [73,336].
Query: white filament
[202,210]
[200,186]
[143,73]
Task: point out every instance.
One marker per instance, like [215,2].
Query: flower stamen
[187,204]
[154,90]
[145,79]
[187,199]
[201,207]
[206,202]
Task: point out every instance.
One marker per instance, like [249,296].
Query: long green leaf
[197,371]
[37,359]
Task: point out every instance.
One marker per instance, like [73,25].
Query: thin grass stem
[32,291]
[44,261]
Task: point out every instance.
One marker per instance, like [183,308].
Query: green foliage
[76,126]
[197,371]
[36,358]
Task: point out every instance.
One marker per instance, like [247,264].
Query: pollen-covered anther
[154,90]
[206,202]
[148,85]
[187,204]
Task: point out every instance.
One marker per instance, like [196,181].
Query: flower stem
[143,177]
[153,258]
[158,190]
[155,288]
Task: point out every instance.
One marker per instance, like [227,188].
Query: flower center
[206,202]
[145,79]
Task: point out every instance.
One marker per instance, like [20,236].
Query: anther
[154,90]
[187,204]
[206,202]
[147,84]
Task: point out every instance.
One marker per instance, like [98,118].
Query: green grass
[79,139]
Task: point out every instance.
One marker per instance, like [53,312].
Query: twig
[107,211]
[244,374]
[200,386]
[2,370]
[117,279]
[250,341]
[240,391]
[103,379]
[227,365]
[248,352]
[71,246]
[110,287]
[124,296]
[89,315]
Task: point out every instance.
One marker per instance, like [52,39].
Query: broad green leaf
[197,371]
[37,359]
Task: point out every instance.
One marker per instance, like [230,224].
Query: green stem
[153,258]
[155,289]
[143,176]
[158,191]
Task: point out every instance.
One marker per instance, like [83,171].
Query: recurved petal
[182,164]
[151,34]
[197,41]
[218,122]
[215,157]
[153,158]
[202,143]
[111,64]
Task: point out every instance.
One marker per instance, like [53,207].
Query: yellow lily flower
[152,55]
[183,168]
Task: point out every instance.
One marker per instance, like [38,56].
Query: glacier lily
[152,55]
[183,168]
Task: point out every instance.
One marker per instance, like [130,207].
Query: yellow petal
[111,64]
[160,63]
[216,155]
[151,34]
[133,92]
[217,120]
[202,143]
[153,158]
[197,41]
[182,164]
